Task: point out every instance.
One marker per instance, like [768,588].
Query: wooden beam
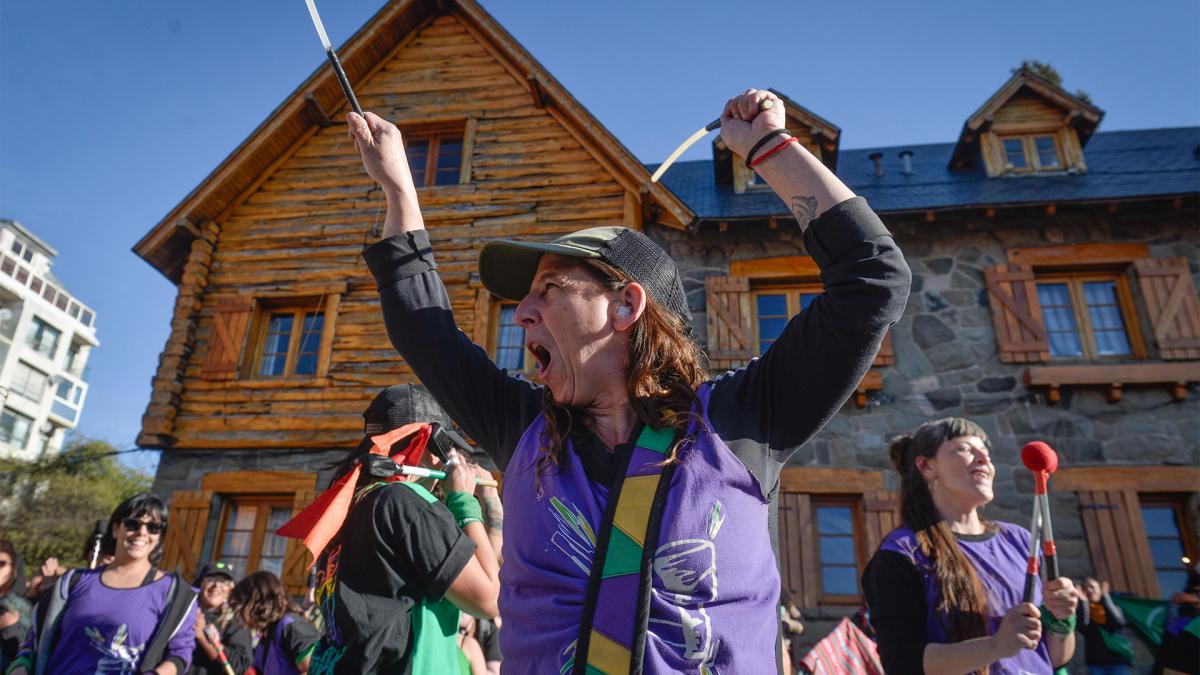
[1175,375]
[827,480]
[1078,254]
[1138,478]
[788,266]
[535,89]
[315,113]
[258,482]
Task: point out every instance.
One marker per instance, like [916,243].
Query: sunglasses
[133,525]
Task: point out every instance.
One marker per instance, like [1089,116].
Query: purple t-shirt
[1000,562]
[105,630]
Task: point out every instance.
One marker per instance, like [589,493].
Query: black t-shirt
[398,547]
[236,641]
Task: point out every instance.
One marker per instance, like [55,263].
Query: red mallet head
[1041,460]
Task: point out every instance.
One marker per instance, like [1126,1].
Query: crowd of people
[641,487]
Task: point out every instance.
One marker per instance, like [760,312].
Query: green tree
[52,504]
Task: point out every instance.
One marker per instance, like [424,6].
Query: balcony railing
[52,294]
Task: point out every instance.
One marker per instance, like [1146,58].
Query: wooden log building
[1054,298]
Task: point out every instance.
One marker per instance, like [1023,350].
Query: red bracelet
[772,151]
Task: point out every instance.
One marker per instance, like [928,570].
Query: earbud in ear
[624,311]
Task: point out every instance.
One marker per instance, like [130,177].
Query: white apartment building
[46,336]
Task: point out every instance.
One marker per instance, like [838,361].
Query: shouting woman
[637,490]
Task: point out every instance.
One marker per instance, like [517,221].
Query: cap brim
[507,267]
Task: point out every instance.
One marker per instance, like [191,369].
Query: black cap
[214,569]
[401,404]
[507,266]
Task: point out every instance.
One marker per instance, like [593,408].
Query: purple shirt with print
[1000,562]
[105,630]
[714,587]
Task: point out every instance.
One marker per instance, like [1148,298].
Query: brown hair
[963,599]
[665,367]
[260,600]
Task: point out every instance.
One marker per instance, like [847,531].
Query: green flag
[1149,617]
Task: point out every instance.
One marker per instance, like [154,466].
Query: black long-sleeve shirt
[763,411]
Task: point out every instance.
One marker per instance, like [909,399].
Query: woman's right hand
[1020,629]
[381,147]
[460,474]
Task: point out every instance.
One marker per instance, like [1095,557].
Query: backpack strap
[49,615]
[180,598]
[616,611]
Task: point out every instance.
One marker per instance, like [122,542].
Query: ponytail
[961,596]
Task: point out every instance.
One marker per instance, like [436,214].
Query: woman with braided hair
[945,588]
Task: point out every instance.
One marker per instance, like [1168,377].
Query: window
[22,250]
[289,341]
[838,532]
[510,341]
[830,522]
[14,428]
[42,337]
[773,308]
[1086,316]
[1023,154]
[247,538]
[435,155]
[1165,521]
[28,382]
[68,398]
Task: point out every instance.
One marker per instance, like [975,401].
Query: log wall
[302,228]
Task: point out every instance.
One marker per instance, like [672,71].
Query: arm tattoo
[493,513]
[805,209]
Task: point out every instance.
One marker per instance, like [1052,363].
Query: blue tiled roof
[1121,165]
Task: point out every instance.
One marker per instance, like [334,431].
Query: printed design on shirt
[716,518]
[567,658]
[573,536]
[117,657]
[331,647]
[685,575]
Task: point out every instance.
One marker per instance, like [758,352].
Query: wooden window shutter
[225,339]
[1016,314]
[730,322]
[188,520]
[1174,309]
[886,355]
[798,566]
[1116,538]
[881,515]
[296,558]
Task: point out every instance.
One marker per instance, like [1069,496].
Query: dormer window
[1029,126]
[1032,153]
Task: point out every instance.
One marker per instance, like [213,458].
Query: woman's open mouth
[541,354]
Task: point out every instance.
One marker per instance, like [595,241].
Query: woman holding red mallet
[945,589]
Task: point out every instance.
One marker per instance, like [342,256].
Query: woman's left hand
[1060,598]
[744,122]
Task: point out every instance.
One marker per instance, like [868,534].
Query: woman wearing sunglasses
[125,617]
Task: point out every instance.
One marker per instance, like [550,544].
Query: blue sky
[111,112]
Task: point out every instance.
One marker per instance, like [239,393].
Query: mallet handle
[341,76]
